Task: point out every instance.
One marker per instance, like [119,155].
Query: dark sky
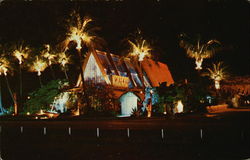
[40,22]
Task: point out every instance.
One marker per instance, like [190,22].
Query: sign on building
[119,81]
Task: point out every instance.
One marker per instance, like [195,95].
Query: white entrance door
[128,103]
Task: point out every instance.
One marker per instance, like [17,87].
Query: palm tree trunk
[52,72]
[40,81]
[9,89]
[82,76]
[21,87]
[1,104]
[65,73]
[81,60]
[141,74]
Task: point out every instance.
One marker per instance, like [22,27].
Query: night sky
[40,22]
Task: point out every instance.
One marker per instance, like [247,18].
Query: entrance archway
[128,103]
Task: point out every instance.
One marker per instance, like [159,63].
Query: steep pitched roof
[110,64]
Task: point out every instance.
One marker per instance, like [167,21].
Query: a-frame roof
[110,64]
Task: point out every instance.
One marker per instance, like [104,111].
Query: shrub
[44,96]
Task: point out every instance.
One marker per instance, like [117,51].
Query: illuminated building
[122,76]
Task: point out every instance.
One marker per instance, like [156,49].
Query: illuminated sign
[120,81]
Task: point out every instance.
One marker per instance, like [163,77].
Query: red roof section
[157,72]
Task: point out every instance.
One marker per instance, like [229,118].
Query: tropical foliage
[192,96]
[198,49]
[139,48]
[98,99]
[43,97]
[5,69]
[217,73]
[81,33]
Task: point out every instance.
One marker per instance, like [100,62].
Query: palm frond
[82,33]
[217,72]
[5,65]
[198,49]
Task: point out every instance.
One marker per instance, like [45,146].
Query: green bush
[98,100]
[44,96]
[191,95]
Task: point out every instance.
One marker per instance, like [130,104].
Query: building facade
[129,81]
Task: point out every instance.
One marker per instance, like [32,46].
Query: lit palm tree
[63,59]
[21,53]
[80,33]
[38,65]
[199,50]
[50,57]
[217,73]
[5,68]
[139,49]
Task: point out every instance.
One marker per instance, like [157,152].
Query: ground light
[179,107]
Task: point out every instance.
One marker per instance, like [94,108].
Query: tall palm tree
[21,53]
[1,103]
[80,32]
[6,67]
[38,65]
[198,50]
[63,59]
[48,54]
[217,73]
[139,49]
